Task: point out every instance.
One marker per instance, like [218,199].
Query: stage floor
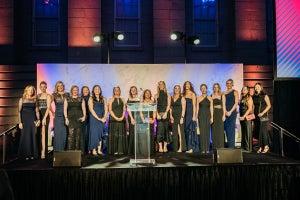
[170,159]
[175,176]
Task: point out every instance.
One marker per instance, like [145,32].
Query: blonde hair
[25,96]
[56,86]
[180,93]
[72,88]
[217,84]
[165,88]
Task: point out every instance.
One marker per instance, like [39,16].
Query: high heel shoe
[94,153]
[266,149]
[259,150]
[189,151]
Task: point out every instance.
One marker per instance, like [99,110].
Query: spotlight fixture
[177,35]
[118,35]
[98,38]
[102,37]
[107,37]
[193,40]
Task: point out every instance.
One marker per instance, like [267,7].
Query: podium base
[145,162]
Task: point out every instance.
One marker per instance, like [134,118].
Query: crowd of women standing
[183,122]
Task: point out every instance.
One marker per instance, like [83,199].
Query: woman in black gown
[85,94]
[217,127]
[205,118]
[163,100]
[44,104]
[75,113]
[117,141]
[246,108]
[177,113]
[262,105]
[29,119]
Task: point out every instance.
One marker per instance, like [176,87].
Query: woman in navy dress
[75,114]
[98,113]
[177,112]
[231,102]
[44,104]
[190,118]
[205,118]
[85,94]
[29,119]
[117,141]
[60,129]
[163,100]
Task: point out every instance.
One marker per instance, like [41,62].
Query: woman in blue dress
[231,103]
[29,119]
[60,129]
[190,118]
[98,112]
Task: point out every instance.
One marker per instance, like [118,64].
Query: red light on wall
[6,24]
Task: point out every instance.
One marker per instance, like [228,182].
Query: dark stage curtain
[286,113]
[205,182]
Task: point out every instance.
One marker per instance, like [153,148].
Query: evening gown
[218,125]
[192,139]
[86,127]
[204,124]
[60,129]
[246,129]
[177,114]
[74,136]
[260,128]
[28,147]
[230,122]
[117,141]
[97,128]
[42,104]
[131,130]
[162,133]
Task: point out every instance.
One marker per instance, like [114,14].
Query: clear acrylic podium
[142,139]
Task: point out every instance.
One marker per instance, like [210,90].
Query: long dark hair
[100,95]
[191,88]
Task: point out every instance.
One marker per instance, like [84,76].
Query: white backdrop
[144,76]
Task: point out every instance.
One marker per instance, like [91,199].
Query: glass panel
[142,146]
